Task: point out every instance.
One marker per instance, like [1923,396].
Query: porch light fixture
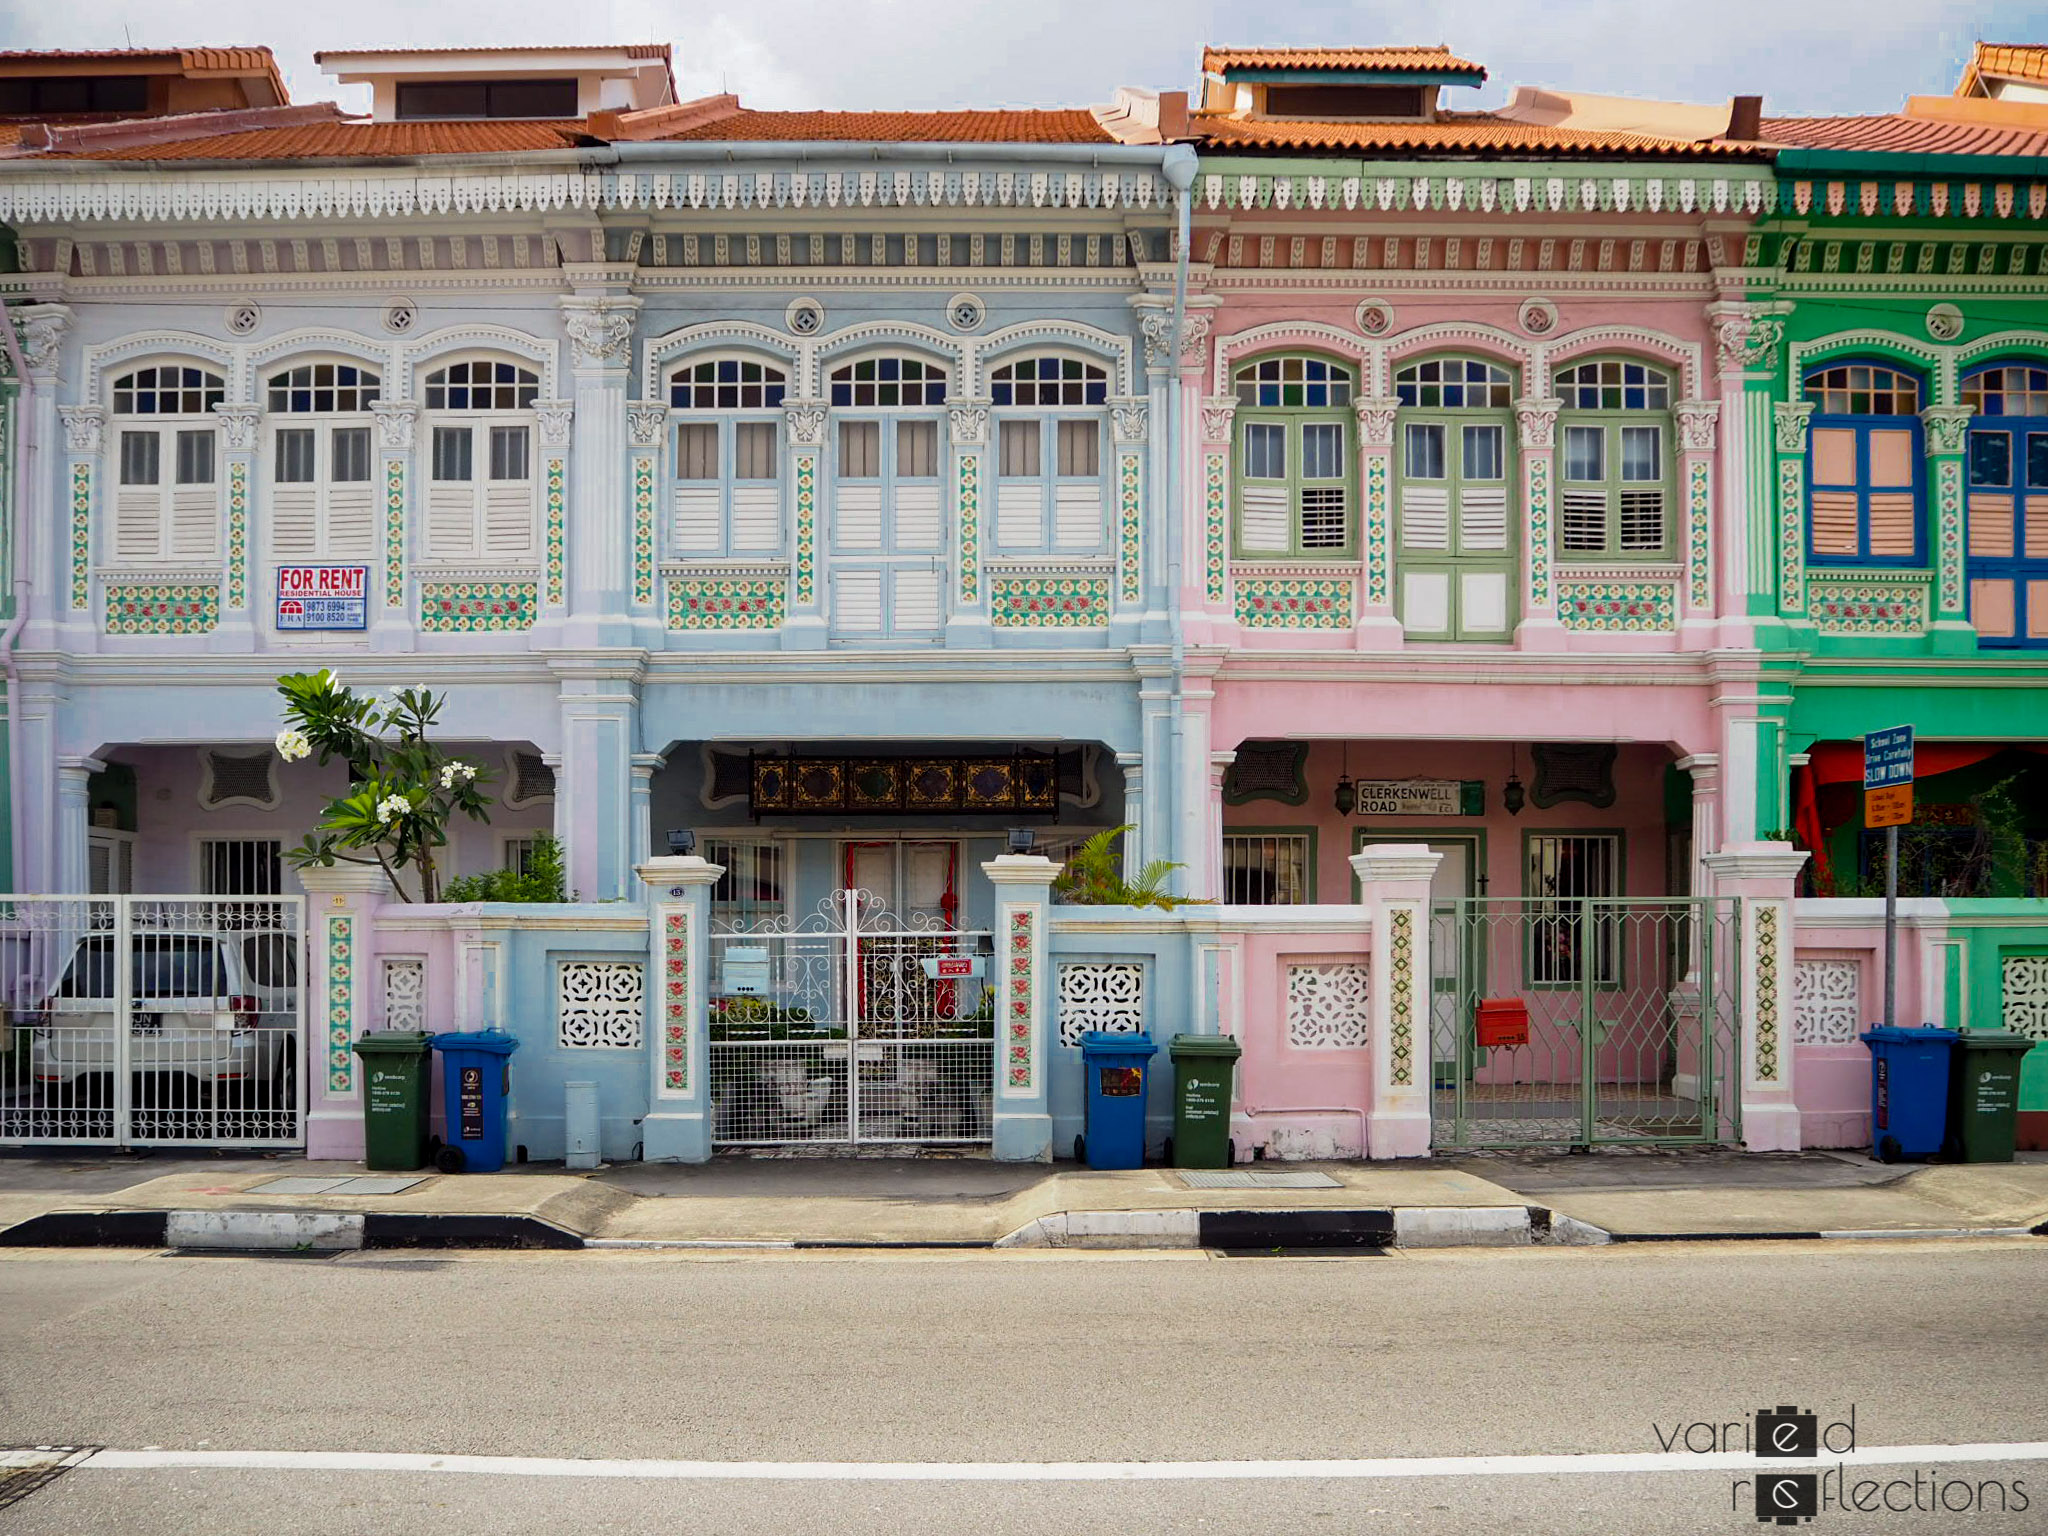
[682,842]
[1022,839]
[1512,795]
[1347,792]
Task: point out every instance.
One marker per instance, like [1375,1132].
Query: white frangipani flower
[293,745]
[390,806]
[450,772]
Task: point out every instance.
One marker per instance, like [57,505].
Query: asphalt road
[1022,1360]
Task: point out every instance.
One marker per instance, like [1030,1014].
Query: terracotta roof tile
[1076,126]
[630,50]
[254,60]
[323,141]
[1454,133]
[2014,61]
[1437,59]
[1894,133]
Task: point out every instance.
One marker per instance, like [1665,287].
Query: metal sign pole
[1891,926]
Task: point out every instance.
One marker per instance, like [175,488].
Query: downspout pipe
[24,449]
[1178,167]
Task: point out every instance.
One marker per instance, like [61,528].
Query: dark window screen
[487,98]
[74,93]
[1346,100]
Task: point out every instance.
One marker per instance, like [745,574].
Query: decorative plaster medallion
[400,317]
[1375,317]
[1538,317]
[965,312]
[804,317]
[1944,322]
[243,318]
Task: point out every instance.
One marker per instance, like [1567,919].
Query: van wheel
[1889,1150]
[449,1159]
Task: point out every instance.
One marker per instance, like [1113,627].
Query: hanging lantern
[1512,795]
[1347,796]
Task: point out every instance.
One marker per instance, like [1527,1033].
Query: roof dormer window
[1378,102]
[419,99]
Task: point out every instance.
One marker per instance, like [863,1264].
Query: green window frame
[1457,504]
[1617,490]
[1296,462]
[1265,866]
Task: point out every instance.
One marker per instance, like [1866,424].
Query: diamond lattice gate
[853,1028]
[1632,1032]
[195,1039]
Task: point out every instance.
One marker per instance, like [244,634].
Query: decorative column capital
[1948,427]
[396,420]
[1746,337]
[1376,420]
[1790,421]
[671,871]
[41,328]
[969,421]
[1218,412]
[646,422]
[600,330]
[1699,425]
[82,428]
[238,424]
[1129,417]
[806,422]
[555,417]
[1028,874]
[1156,327]
[1536,423]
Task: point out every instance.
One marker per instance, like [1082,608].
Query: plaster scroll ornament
[555,418]
[395,421]
[1536,422]
[238,426]
[1948,427]
[970,423]
[1157,329]
[81,427]
[1217,415]
[1376,422]
[1194,335]
[1130,421]
[1699,424]
[645,422]
[601,336]
[1791,425]
[1749,341]
[806,425]
[42,335]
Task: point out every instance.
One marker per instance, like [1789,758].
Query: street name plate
[1408,797]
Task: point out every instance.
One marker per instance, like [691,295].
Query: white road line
[1041,1472]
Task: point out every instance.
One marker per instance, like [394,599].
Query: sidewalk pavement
[283,1201]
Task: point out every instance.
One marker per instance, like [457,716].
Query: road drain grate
[25,1468]
[1247,1178]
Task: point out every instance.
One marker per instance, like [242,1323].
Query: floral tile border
[726,603]
[1618,607]
[162,607]
[472,607]
[1294,604]
[1049,602]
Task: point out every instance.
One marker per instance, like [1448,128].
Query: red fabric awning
[1841,762]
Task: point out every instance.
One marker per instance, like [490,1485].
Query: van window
[271,959]
[163,965]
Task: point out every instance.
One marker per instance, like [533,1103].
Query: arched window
[728,456]
[1863,465]
[167,499]
[480,472]
[887,527]
[1051,414]
[323,503]
[1616,460]
[2008,514]
[1456,578]
[1294,464]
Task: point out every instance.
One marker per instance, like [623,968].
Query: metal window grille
[1266,870]
[1571,872]
[240,866]
[751,891]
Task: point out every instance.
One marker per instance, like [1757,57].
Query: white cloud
[1808,56]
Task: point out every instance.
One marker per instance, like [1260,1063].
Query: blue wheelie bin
[1908,1091]
[1113,1114]
[476,1079]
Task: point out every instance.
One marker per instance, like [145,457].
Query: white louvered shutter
[295,522]
[351,521]
[696,519]
[857,601]
[508,519]
[1263,518]
[1020,513]
[138,522]
[195,522]
[917,515]
[857,517]
[451,519]
[1483,517]
[1425,517]
[917,600]
[1077,516]
[756,518]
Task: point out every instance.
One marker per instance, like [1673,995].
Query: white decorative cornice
[82,424]
[1790,423]
[600,330]
[1699,424]
[238,425]
[1536,423]
[646,422]
[555,418]
[395,422]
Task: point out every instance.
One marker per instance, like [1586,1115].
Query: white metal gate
[196,1040]
[854,1027]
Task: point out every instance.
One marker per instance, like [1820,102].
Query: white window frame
[907,574]
[737,518]
[473,526]
[182,518]
[1025,528]
[323,500]
[739,856]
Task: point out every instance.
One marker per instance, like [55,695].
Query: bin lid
[1206,1045]
[1907,1034]
[1995,1040]
[1102,1042]
[392,1042]
[491,1040]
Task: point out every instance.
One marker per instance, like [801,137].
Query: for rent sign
[323,597]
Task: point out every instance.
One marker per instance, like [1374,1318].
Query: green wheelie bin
[1984,1095]
[397,1068]
[1202,1069]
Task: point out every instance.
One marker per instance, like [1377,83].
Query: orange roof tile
[324,141]
[1453,133]
[1895,133]
[1076,126]
[1436,59]
[630,50]
[2012,61]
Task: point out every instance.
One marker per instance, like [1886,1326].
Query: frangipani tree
[403,789]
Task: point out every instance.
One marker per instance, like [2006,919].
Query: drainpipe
[23,479]
[1178,167]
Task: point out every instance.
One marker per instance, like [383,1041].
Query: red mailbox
[1502,1021]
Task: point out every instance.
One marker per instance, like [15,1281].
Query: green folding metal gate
[1633,1030]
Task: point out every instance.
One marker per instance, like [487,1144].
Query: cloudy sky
[1802,56]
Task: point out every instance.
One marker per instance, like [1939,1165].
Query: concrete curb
[283,1231]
